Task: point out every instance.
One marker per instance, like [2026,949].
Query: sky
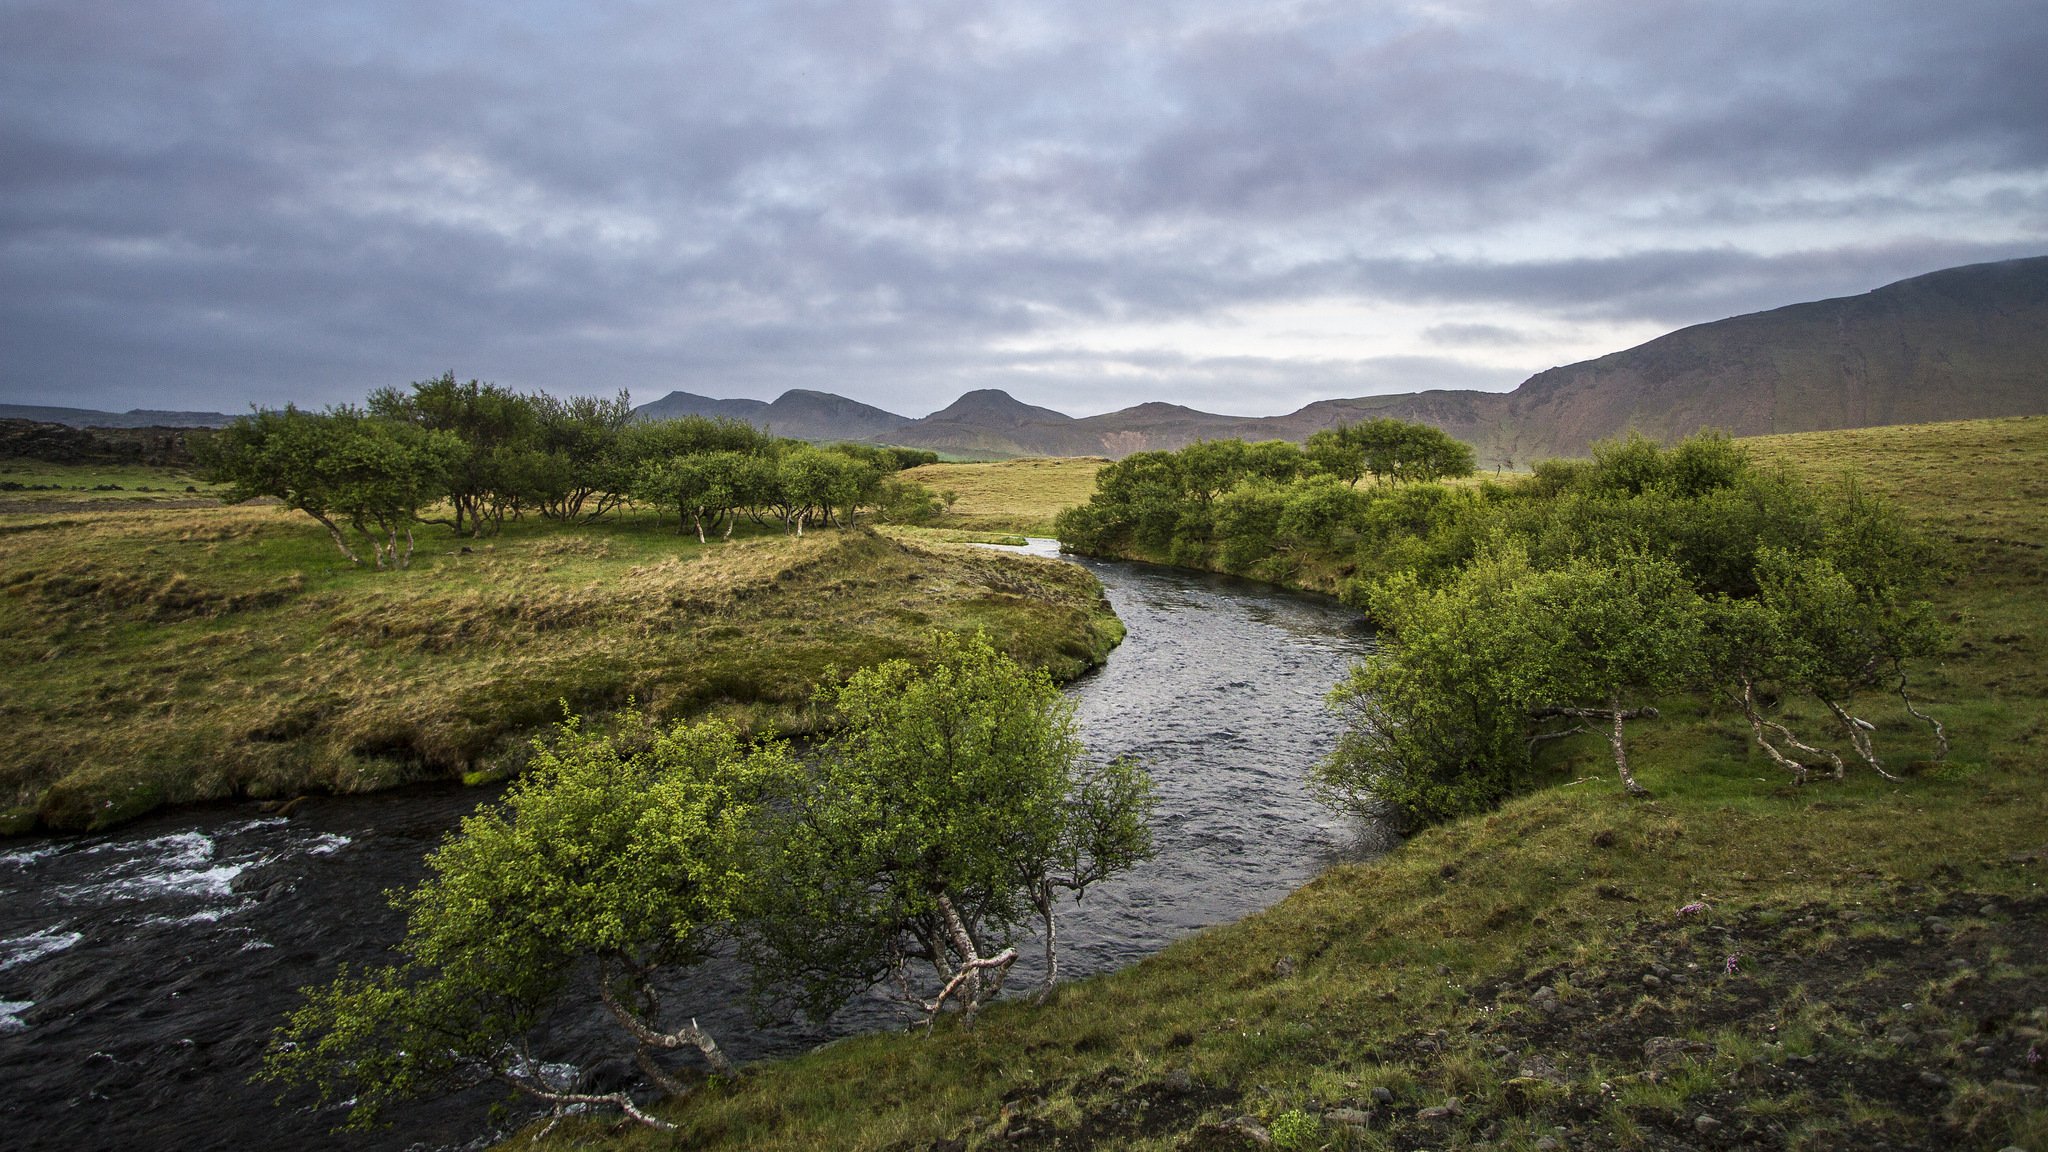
[1242,207]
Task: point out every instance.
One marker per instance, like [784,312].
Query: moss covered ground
[1732,963]
[163,655]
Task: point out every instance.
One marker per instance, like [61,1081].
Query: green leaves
[639,852]
[953,789]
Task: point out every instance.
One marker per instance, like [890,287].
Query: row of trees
[943,823]
[1579,598]
[485,454]
[1238,506]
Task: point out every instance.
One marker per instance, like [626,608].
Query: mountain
[799,413]
[1958,344]
[133,418]
[677,405]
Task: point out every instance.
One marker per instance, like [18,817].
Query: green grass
[1019,496]
[1841,904]
[24,482]
[162,656]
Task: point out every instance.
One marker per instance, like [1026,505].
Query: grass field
[1733,963]
[33,482]
[1011,495]
[160,656]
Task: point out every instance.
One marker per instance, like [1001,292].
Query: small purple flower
[2033,1053]
[1693,908]
[1732,958]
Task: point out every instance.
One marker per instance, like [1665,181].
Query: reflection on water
[141,972]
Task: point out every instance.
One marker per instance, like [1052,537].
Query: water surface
[142,971]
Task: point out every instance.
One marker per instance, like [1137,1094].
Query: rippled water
[141,972]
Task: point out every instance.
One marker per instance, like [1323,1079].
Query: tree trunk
[1628,781]
[340,541]
[1047,909]
[1859,735]
[1940,733]
[651,1037]
[1756,726]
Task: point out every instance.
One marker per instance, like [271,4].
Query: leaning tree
[605,868]
[947,815]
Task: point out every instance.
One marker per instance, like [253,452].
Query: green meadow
[158,656]
[1733,962]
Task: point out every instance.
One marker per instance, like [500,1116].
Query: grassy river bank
[153,655]
[1735,962]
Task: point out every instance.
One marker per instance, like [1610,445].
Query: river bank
[1734,963]
[154,657]
[145,968]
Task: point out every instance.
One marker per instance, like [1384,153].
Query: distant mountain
[677,405]
[133,418]
[799,413]
[1959,344]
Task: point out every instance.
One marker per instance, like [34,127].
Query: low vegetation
[156,657]
[951,808]
[1021,496]
[542,554]
[1737,960]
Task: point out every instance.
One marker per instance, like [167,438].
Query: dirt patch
[1916,1024]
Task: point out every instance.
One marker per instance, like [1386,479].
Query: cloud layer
[207,203]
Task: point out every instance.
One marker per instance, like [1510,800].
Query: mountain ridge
[1958,343]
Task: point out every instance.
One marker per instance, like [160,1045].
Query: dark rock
[1672,1051]
[1441,1112]
[1383,1095]
[1705,1125]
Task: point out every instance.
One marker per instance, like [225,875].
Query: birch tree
[945,818]
[605,867]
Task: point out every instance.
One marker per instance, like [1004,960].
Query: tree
[946,815]
[1749,645]
[606,866]
[1337,454]
[1611,637]
[570,461]
[702,488]
[496,428]
[1842,639]
[1436,715]
[374,474]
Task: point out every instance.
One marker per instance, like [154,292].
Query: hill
[133,418]
[1963,343]
[800,413]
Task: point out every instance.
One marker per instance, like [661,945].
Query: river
[141,971]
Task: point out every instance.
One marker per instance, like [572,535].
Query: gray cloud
[212,202]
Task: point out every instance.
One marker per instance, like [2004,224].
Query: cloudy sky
[1238,206]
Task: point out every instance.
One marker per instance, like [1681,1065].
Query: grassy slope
[1890,942]
[1012,495]
[155,656]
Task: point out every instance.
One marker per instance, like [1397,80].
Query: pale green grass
[1011,495]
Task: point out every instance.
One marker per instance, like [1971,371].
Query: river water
[142,971]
